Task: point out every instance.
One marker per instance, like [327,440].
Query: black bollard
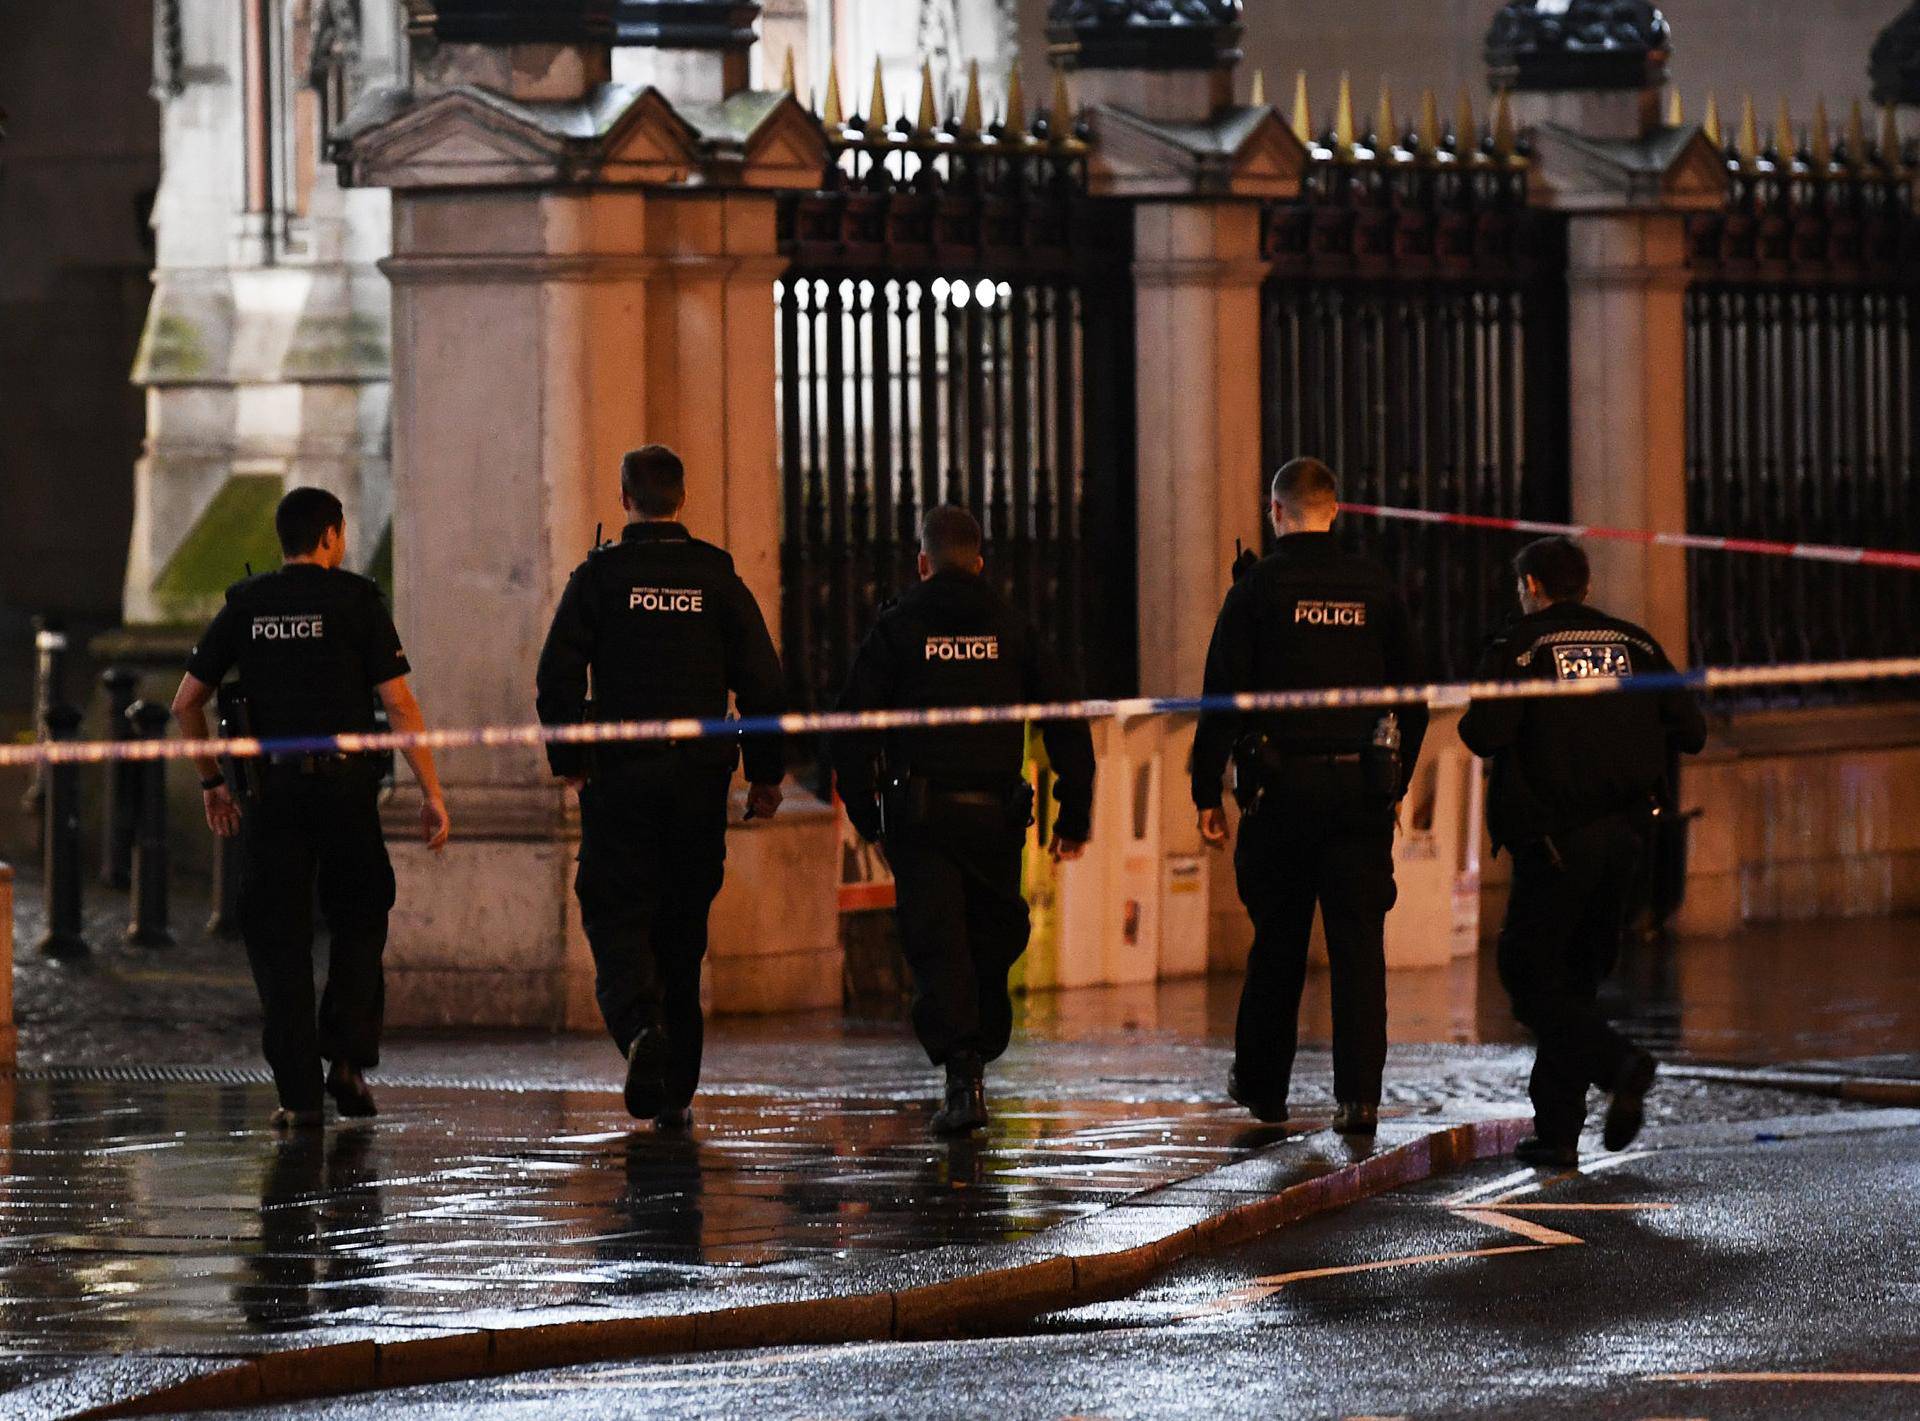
[123,783]
[149,925]
[49,685]
[224,921]
[62,844]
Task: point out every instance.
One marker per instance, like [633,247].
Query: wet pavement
[152,1221]
[1723,1272]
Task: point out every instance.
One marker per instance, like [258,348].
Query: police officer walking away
[951,805]
[315,648]
[658,626]
[1575,784]
[1316,789]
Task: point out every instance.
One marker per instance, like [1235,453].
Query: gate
[956,327]
[1801,406]
[1415,338]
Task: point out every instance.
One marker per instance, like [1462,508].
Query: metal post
[62,844]
[123,783]
[149,925]
[224,921]
[50,661]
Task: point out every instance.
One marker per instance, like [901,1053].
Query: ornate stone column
[1586,81]
[1157,79]
[580,266]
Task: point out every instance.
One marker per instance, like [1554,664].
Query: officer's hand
[1213,827]
[223,814]
[763,801]
[435,826]
[1064,849]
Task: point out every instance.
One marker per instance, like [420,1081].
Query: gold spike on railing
[1060,120]
[787,80]
[835,116]
[1890,137]
[1016,124]
[1783,143]
[1747,145]
[1343,119]
[1856,136]
[1465,130]
[1822,137]
[877,106]
[1302,117]
[970,117]
[1711,124]
[1503,138]
[1383,129]
[1676,108]
[1258,98]
[929,112]
[1431,135]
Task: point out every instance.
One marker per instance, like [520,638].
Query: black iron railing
[1415,339]
[1802,402]
[956,328]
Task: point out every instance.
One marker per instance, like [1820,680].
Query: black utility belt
[337,763]
[911,801]
[1262,766]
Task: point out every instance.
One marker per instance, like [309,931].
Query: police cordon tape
[1439,695]
[1695,542]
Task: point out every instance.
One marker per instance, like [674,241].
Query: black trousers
[963,924]
[1560,939]
[311,833]
[1319,837]
[653,850]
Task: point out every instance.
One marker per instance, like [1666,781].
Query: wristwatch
[214,783]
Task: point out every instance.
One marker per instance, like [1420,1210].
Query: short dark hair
[1305,483]
[1558,565]
[654,481]
[951,537]
[303,517]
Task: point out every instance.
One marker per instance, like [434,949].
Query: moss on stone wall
[235,529]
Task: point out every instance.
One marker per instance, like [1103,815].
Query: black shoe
[349,1091]
[286,1120]
[1628,1112]
[1354,1118]
[965,1109]
[1537,1152]
[646,1092]
[1267,1111]
[674,1122]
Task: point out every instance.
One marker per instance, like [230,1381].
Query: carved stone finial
[1145,34]
[1582,44]
[1894,64]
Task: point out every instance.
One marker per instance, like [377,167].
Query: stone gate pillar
[1587,82]
[1158,85]
[579,266]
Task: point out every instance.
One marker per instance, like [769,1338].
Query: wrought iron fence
[1801,399]
[1415,339]
[956,328]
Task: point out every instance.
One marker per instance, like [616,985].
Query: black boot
[1543,1154]
[1269,1112]
[1352,1117]
[1628,1110]
[965,1109]
[646,1091]
[350,1093]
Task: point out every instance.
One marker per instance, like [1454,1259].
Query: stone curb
[1865,1090]
[973,1304]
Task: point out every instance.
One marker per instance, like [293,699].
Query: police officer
[660,626]
[1317,791]
[951,805]
[1575,784]
[316,649]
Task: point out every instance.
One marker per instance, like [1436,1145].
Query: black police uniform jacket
[665,629]
[313,644]
[1308,615]
[1564,762]
[953,640]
